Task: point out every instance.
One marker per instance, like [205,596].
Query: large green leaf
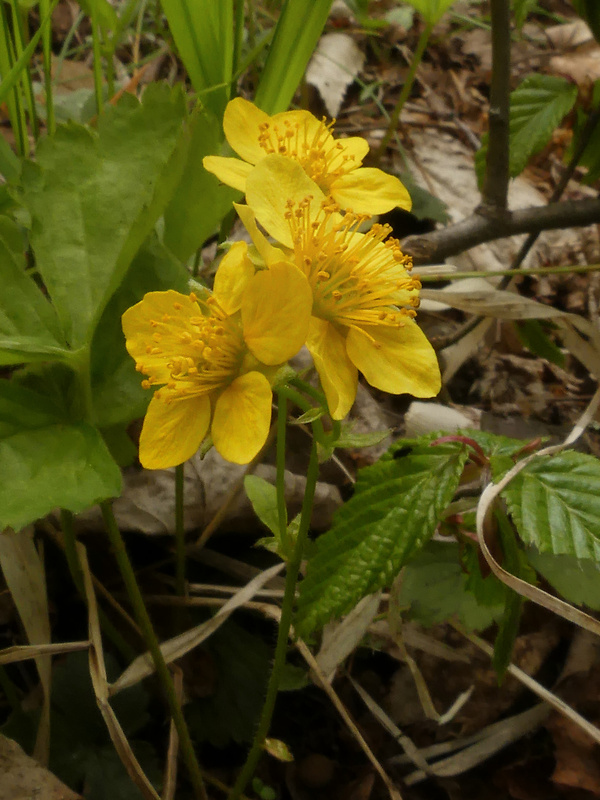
[95,197]
[395,510]
[200,202]
[46,461]
[116,386]
[536,108]
[29,327]
[555,504]
[203,32]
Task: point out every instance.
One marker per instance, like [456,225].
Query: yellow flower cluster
[349,296]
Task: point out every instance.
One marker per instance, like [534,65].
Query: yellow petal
[396,360]
[370,191]
[270,185]
[354,146]
[241,123]
[337,373]
[231,171]
[137,324]
[275,312]
[242,418]
[232,276]
[173,431]
[259,240]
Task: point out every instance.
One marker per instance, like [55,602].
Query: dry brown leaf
[100,686]
[577,756]
[340,638]
[24,574]
[333,67]
[22,778]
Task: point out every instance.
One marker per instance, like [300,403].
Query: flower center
[192,353]
[357,278]
[322,158]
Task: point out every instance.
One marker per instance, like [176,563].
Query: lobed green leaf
[46,461]
[95,197]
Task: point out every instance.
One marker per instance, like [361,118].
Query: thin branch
[495,188]
[434,247]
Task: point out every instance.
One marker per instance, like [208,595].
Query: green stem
[497,273]
[97,50]
[19,34]
[280,483]
[404,94]
[47,60]
[284,629]
[162,670]
[179,533]
[301,402]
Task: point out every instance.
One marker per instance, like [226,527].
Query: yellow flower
[334,164]
[364,297]
[214,358]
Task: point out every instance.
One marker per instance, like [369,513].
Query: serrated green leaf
[47,462]
[536,108]
[435,588]
[263,496]
[394,511]
[555,504]
[577,581]
[95,197]
[29,327]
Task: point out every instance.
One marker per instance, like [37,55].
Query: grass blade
[296,35]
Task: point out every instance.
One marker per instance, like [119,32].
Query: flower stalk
[283,633]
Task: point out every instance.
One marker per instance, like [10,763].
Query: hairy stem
[284,630]
[281,433]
